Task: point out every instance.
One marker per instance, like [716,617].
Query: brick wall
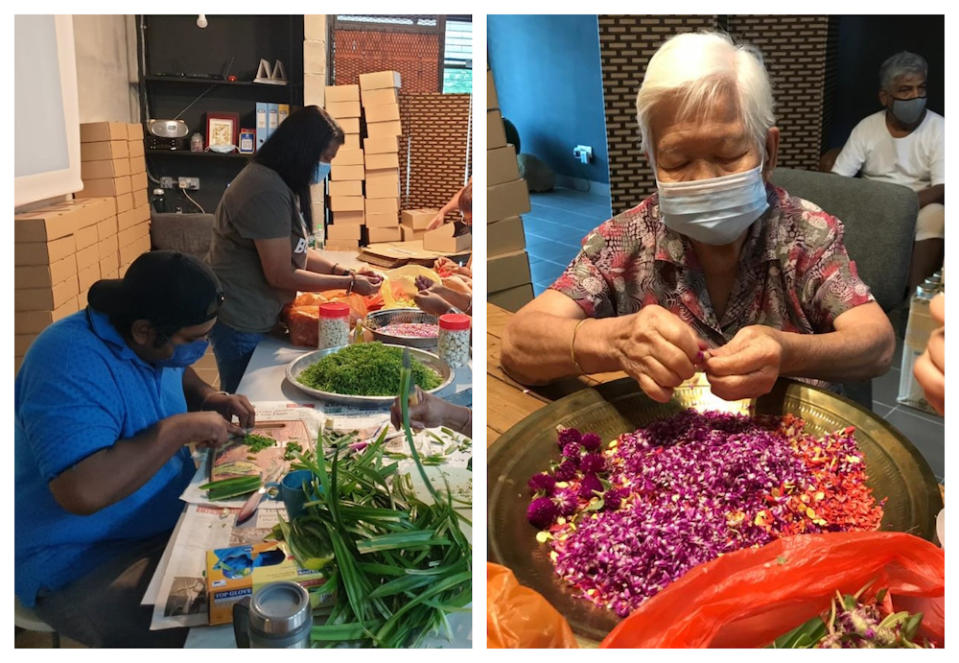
[436,128]
[414,55]
[794,51]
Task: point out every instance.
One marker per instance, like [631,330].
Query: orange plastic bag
[517,616]
[752,596]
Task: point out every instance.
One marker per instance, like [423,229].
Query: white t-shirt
[915,161]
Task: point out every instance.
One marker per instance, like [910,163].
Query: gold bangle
[572,347]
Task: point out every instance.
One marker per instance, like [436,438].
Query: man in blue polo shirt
[106,403]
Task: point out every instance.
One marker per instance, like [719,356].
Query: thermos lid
[279,608]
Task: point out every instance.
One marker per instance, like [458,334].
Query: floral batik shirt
[794,272]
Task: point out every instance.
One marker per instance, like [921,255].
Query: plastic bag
[399,285]
[752,596]
[517,616]
[302,315]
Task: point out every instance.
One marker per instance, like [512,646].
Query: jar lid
[455,321]
[334,310]
[279,608]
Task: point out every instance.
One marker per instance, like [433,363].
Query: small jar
[196,142]
[453,343]
[334,325]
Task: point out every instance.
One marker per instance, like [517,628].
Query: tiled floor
[561,218]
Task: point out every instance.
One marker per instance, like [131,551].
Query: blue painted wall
[549,82]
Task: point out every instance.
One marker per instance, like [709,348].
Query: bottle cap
[455,321]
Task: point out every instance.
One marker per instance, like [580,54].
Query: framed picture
[222,129]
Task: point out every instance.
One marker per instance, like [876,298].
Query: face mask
[713,211]
[320,173]
[185,354]
[908,111]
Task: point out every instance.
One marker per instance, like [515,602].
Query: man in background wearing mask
[905,144]
[719,270]
[105,405]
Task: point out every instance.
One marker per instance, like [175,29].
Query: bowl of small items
[365,374]
[404,326]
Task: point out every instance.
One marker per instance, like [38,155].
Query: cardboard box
[135,148]
[378,130]
[507,271]
[340,93]
[351,141]
[379,220]
[140,198]
[107,186]
[314,90]
[377,234]
[380,97]
[235,573]
[380,79]
[142,212]
[87,237]
[418,219]
[340,109]
[491,100]
[381,161]
[130,235]
[382,113]
[87,277]
[410,234]
[107,247]
[504,237]
[314,56]
[105,149]
[125,202]
[340,230]
[381,145]
[383,206]
[61,219]
[138,165]
[382,183]
[442,240]
[90,170]
[46,299]
[34,322]
[349,217]
[351,245]
[91,132]
[88,256]
[347,204]
[348,157]
[44,276]
[106,228]
[506,200]
[110,267]
[133,251]
[128,219]
[139,182]
[135,131]
[495,131]
[501,165]
[346,188]
[512,299]
[354,173]
[22,343]
[44,253]
[349,125]
[314,26]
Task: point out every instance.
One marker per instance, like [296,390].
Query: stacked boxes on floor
[113,165]
[56,260]
[347,172]
[509,282]
[314,85]
[379,94]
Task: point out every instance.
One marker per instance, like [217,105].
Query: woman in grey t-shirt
[260,248]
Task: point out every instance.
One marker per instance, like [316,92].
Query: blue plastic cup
[293,494]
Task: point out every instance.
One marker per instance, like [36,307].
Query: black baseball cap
[170,289]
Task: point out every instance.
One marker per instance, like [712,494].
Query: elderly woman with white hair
[718,270]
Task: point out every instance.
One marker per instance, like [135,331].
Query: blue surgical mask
[908,111]
[185,354]
[713,211]
[320,173]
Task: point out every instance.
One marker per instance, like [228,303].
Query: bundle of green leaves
[365,369]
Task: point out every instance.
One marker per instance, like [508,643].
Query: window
[458,57]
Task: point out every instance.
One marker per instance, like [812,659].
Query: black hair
[295,148]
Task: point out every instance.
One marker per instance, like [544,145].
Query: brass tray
[895,468]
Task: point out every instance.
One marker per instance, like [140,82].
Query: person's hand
[206,429]
[429,412]
[230,405]
[747,366]
[930,368]
[658,350]
[431,303]
[370,275]
[423,282]
[438,220]
[365,285]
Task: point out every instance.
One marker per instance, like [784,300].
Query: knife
[249,508]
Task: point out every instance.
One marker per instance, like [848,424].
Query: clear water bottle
[918,330]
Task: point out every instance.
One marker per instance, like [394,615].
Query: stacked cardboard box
[113,165]
[56,260]
[314,85]
[347,171]
[379,94]
[509,279]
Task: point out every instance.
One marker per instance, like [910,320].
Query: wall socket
[191,183]
[166,183]
[583,153]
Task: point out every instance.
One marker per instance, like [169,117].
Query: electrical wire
[183,191]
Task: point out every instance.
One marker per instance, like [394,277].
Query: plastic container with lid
[334,325]
[453,344]
[919,328]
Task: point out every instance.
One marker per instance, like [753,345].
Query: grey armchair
[879,221]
